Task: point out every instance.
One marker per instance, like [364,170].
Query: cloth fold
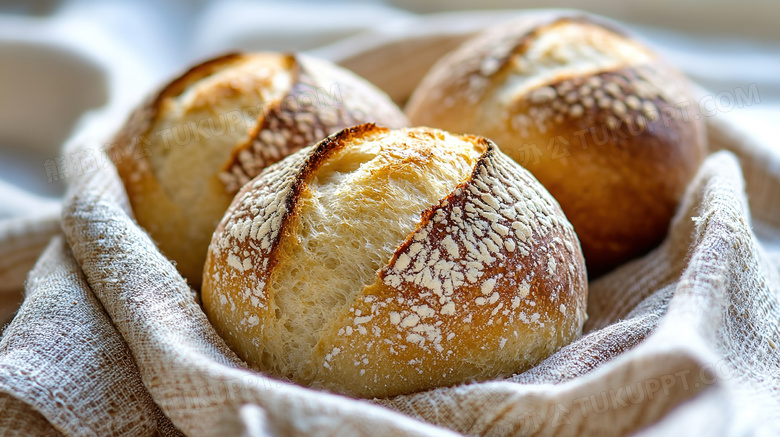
[64,369]
[23,239]
[188,369]
[716,325]
[663,329]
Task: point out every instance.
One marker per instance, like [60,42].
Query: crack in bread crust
[184,153]
[491,281]
[290,124]
[248,237]
[262,211]
[605,124]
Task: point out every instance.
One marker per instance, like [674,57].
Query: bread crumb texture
[173,147]
[384,262]
[324,99]
[245,82]
[185,154]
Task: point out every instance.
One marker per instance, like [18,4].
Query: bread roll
[603,123]
[185,153]
[381,262]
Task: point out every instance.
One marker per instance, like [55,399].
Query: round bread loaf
[382,262]
[603,123]
[184,154]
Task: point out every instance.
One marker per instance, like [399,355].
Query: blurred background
[59,60]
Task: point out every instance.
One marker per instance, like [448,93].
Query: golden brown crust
[146,161]
[506,311]
[469,73]
[125,153]
[618,168]
[491,281]
[131,153]
[261,212]
[615,145]
[312,109]
[140,119]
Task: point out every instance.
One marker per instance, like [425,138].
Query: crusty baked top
[494,255]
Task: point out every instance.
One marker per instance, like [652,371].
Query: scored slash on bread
[184,153]
[483,278]
[607,126]
[322,99]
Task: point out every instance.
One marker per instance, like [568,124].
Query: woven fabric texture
[111,340]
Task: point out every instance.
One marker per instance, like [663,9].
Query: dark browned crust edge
[428,213]
[263,120]
[322,151]
[140,119]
